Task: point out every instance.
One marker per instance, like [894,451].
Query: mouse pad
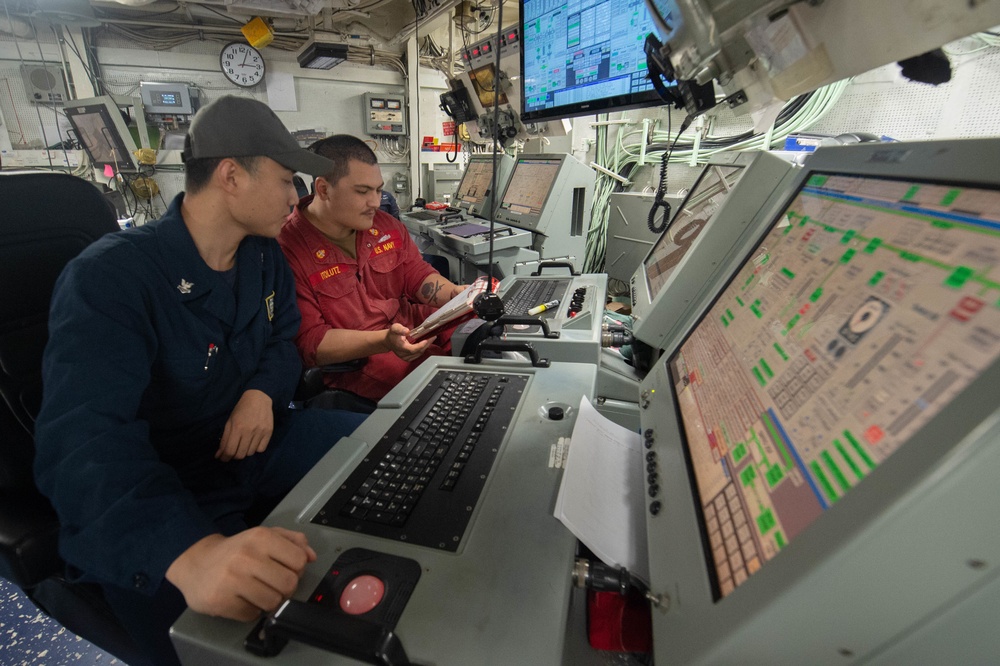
[467,230]
[368,584]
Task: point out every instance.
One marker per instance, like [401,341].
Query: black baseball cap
[242,127]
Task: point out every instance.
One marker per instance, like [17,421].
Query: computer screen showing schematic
[706,196]
[476,181]
[474,193]
[529,186]
[584,57]
[865,310]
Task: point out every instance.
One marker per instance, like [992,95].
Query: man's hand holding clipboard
[458,306]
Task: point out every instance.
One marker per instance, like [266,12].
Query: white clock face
[242,64]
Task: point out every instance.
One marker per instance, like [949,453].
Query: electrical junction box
[384,114]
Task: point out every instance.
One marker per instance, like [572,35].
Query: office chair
[313,393]
[48,219]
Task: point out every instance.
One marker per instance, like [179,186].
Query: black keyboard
[421,481]
[526,294]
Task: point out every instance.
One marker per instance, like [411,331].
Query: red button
[361,595]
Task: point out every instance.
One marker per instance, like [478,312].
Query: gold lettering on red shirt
[324,274]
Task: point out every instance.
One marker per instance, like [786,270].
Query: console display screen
[706,197]
[529,185]
[868,307]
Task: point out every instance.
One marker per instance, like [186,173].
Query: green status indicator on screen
[959,276]
[766,521]
[774,475]
[739,452]
[950,197]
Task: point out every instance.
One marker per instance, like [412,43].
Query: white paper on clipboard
[451,310]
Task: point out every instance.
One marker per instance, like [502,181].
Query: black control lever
[506,345]
[328,629]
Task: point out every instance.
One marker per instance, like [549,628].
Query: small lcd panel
[529,186]
[706,196]
[868,307]
[166,98]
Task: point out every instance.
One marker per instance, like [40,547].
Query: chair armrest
[29,538]
[311,383]
[345,366]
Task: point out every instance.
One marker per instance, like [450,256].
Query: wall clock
[242,64]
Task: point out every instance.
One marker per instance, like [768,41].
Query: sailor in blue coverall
[162,378]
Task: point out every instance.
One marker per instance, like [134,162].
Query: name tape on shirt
[327,273]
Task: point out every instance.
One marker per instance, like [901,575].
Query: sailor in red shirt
[360,281]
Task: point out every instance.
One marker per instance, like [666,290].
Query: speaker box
[44,84]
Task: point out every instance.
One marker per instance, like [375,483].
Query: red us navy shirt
[369,293]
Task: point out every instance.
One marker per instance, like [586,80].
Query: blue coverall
[149,352]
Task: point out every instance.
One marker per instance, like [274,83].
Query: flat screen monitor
[583,57]
[102,133]
[530,183]
[706,196]
[870,304]
[722,212]
[824,433]
[474,191]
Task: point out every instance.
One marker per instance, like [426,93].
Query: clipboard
[452,310]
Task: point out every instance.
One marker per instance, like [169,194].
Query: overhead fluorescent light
[319,55]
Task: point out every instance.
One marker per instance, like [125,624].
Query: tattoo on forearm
[430,290]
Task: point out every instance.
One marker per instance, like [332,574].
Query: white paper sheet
[601,496]
[281,91]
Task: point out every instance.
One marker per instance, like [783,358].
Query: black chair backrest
[47,219]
